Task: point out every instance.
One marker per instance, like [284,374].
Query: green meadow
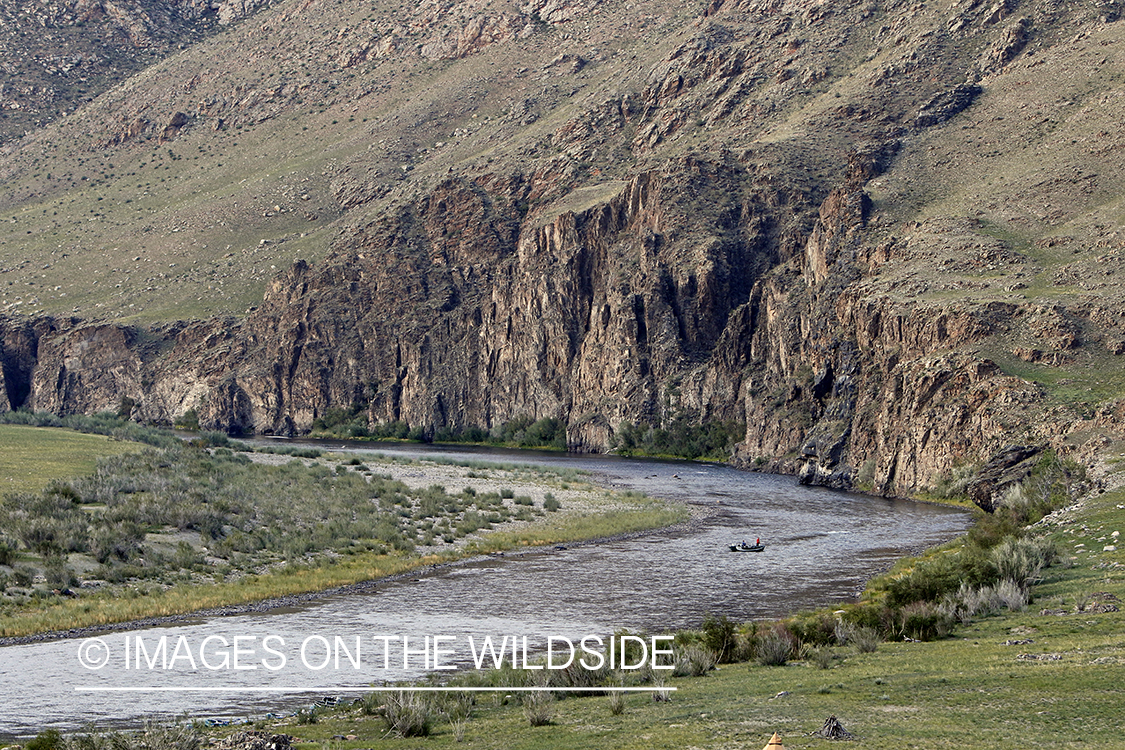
[30,457]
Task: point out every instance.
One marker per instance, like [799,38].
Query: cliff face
[456,311]
[882,237]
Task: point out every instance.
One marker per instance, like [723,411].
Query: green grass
[644,514]
[30,457]
[1099,379]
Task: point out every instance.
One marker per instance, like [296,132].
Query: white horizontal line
[443,689]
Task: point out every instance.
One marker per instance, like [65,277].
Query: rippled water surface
[820,546]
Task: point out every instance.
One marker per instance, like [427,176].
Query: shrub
[718,636]
[617,703]
[863,638]
[924,621]
[161,736]
[408,714]
[539,707]
[1010,594]
[23,577]
[693,661]
[822,657]
[682,436]
[577,676]
[550,504]
[817,628]
[58,575]
[962,604]
[458,726]
[661,694]
[49,739]
[776,647]
[457,706]
[371,704]
[189,420]
[933,577]
[956,482]
[1020,560]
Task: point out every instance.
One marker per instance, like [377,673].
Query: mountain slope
[887,236]
[58,55]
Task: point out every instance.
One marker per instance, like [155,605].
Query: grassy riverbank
[1047,675]
[163,531]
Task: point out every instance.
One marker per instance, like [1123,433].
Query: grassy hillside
[310,118]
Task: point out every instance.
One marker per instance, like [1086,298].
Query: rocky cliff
[822,220]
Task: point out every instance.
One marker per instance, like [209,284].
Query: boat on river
[744,547]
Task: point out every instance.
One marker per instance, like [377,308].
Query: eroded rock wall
[462,309]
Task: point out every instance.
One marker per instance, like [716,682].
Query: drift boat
[747,547]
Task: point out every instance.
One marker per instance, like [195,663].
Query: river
[820,547]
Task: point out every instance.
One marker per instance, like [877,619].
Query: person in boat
[757,541]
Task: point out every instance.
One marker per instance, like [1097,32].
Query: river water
[820,547]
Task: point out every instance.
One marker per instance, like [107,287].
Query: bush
[817,628]
[58,574]
[550,504]
[23,576]
[863,638]
[408,714]
[160,736]
[371,704]
[617,703]
[1009,594]
[776,647]
[822,657]
[924,621]
[539,707]
[934,577]
[693,661]
[189,420]
[49,739]
[682,437]
[718,637]
[1020,560]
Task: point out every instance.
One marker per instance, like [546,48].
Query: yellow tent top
[774,743]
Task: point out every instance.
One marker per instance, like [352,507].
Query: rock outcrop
[458,311]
